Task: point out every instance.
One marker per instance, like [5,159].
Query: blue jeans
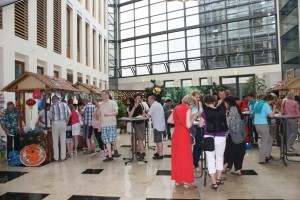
[196,131]
[168,130]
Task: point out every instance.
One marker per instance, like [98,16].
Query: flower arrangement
[156,90]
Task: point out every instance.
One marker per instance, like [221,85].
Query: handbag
[193,141]
[238,138]
[207,144]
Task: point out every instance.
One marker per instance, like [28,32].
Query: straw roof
[287,84]
[87,89]
[29,81]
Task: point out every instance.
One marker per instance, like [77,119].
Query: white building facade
[62,38]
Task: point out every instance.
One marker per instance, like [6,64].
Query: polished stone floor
[88,177]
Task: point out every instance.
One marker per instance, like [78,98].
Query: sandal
[214,187]
[68,155]
[189,186]
[236,173]
[178,184]
[220,182]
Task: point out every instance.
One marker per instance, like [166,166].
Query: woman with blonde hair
[182,160]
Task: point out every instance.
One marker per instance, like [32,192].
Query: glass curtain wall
[112,44]
[289,32]
[164,37]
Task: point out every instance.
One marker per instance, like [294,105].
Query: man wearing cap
[60,114]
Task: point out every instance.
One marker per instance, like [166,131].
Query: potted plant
[122,113]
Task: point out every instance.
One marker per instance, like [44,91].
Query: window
[100,12]
[94,49]
[56,74]
[19,68]
[78,39]
[0,18]
[57,26]
[69,24]
[186,83]
[87,46]
[203,81]
[100,84]
[169,84]
[100,53]
[87,5]
[42,23]
[105,56]
[105,13]
[21,19]
[40,70]
[79,77]
[94,7]
[70,76]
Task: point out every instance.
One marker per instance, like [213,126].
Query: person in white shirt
[157,114]
[41,118]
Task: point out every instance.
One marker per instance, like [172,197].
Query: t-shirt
[75,117]
[108,107]
[137,111]
[261,118]
[156,112]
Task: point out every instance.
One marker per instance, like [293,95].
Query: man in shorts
[109,111]
[156,112]
[139,126]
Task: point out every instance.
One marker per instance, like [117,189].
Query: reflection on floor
[6,176]
[22,196]
[88,177]
[92,171]
[82,197]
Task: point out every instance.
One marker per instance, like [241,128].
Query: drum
[32,155]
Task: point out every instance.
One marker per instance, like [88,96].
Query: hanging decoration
[156,90]
[30,102]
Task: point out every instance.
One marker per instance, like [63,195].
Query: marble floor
[88,177]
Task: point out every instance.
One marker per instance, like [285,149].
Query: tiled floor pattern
[88,177]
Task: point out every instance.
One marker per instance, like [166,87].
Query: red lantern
[30,102]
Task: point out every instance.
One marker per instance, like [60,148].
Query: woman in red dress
[182,159]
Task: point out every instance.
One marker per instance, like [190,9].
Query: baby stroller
[3,147]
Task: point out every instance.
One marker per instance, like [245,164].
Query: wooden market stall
[41,86]
[88,89]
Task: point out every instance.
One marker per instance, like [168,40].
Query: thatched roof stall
[30,81]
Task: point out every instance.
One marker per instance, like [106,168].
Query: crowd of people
[218,116]
[221,116]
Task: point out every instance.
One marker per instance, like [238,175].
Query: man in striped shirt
[60,114]
[88,112]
